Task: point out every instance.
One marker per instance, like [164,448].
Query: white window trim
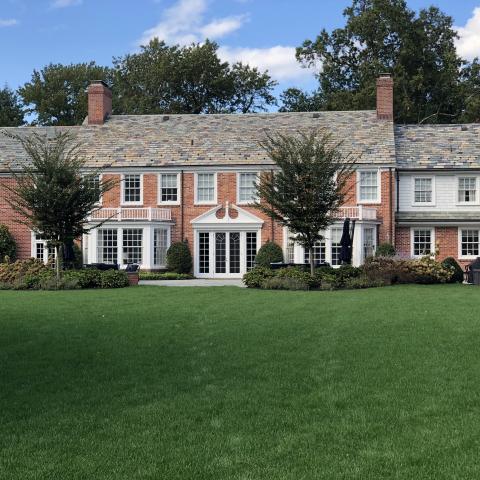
[459,238]
[424,204]
[215,194]
[159,188]
[379,187]
[122,190]
[238,188]
[477,193]
[432,240]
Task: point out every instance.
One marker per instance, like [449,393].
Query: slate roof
[438,146]
[202,140]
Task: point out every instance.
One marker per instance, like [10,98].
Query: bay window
[319,251]
[132,245]
[160,246]
[107,245]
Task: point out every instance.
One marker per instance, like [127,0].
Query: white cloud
[65,3]
[279,60]
[183,23]
[468,45]
[8,22]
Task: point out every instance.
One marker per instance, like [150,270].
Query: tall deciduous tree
[386,36]
[192,79]
[11,112]
[308,185]
[57,94]
[53,193]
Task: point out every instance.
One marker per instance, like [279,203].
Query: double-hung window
[160,246]
[107,245]
[469,239]
[132,189]
[423,191]
[132,245]
[319,251]
[206,190]
[169,188]
[368,186]
[368,242]
[467,190]
[335,238]
[247,187]
[422,242]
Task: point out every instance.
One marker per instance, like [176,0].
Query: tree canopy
[11,112]
[433,84]
[308,185]
[191,79]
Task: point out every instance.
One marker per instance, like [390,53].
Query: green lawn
[227,383]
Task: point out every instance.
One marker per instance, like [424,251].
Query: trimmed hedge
[385,250]
[165,276]
[269,253]
[179,258]
[457,276]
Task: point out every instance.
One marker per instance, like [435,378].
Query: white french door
[225,254]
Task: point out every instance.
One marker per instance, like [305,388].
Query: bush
[284,283]
[385,250]
[14,272]
[255,277]
[428,271]
[179,258]
[457,276]
[165,276]
[8,247]
[269,253]
[51,283]
[383,269]
[114,279]
[362,282]
[87,278]
[298,274]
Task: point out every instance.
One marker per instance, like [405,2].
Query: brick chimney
[385,97]
[99,102]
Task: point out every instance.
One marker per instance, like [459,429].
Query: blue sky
[263,33]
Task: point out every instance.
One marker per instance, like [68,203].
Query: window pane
[160,246]
[169,187]
[132,245]
[132,188]
[422,242]
[318,253]
[40,251]
[467,189]
[470,243]
[234,248]
[251,249]
[290,253]
[220,252]
[107,248]
[247,187]
[204,252]
[206,187]
[369,186]
[336,236]
[368,242]
[423,190]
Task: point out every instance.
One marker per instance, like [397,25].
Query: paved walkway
[195,283]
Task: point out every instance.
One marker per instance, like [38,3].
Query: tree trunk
[58,261]
[312,262]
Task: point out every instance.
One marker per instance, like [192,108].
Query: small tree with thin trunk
[53,192]
[307,186]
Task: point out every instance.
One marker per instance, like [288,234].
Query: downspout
[271,220]
[392,229]
[181,205]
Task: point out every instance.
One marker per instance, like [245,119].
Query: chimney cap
[385,75]
[99,82]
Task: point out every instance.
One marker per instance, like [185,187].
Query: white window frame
[215,189]
[159,190]
[432,241]
[377,200]
[424,204]
[459,236]
[122,190]
[477,193]
[156,227]
[240,202]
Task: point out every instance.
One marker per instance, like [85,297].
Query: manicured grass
[226,383]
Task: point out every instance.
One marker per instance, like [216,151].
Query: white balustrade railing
[357,213]
[120,214]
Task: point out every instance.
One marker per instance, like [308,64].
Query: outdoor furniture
[102,266]
[472,272]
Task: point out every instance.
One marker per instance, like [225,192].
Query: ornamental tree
[307,186]
[53,192]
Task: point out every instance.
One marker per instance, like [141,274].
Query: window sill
[423,204]
[168,204]
[132,204]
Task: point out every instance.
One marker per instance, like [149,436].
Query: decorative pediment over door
[227,217]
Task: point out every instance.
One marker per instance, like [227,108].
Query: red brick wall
[385,211]
[20,232]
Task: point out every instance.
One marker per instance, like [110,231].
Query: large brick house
[191,177]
